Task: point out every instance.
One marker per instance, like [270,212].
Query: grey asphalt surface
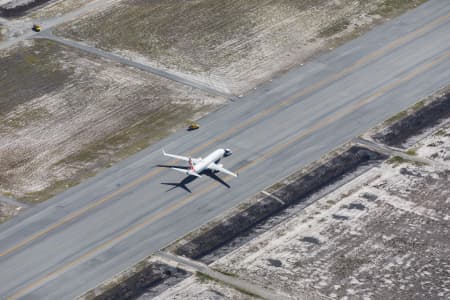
[71,243]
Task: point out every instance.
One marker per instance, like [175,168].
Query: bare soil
[231,45]
[201,287]
[65,115]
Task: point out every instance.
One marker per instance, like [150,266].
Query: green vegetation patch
[396,118]
[419,105]
[411,152]
[336,27]
[440,132]
[389,8]
[397,160]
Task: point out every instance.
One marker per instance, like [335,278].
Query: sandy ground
[384,235]
[435,146]
[230,45]
[65,115]
[198,287]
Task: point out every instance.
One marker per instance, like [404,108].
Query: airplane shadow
[183,184]
[172,166]
[212,175]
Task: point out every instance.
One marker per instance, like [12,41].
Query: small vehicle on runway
[193,126]
[36,28]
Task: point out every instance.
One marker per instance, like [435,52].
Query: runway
[73,242]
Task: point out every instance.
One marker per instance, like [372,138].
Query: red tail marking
[191,165]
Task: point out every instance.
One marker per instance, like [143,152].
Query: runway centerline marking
[327,121]
[231,131]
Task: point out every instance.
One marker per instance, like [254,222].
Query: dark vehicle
[36,28]
[193,126]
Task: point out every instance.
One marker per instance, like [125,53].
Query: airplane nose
[228,152]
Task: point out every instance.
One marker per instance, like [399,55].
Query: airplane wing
[185,158]
[219,168]
[187,172]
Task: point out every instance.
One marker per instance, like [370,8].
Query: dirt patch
[234,45]
[412,122]
[8,211]
[65,115]
[215,234]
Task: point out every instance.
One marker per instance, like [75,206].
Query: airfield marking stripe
[228,133]
[273,196]
[176,205]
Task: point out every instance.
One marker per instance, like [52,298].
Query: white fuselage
[211,158]
[198,165]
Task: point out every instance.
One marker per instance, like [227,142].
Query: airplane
[198,165]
